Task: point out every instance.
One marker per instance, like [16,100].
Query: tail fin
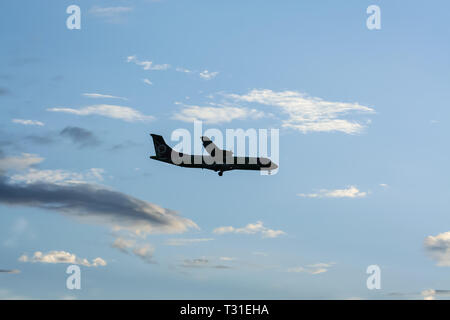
[163,151]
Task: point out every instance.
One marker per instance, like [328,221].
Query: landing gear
[220,173]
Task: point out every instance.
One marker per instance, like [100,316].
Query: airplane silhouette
[218,160]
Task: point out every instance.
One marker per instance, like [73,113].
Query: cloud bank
[62,257]
[307,114]
[438,248]
[93,203]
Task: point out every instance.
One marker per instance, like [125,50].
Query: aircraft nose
[273,166]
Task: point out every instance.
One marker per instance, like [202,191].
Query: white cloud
[350,192]
[384,185]
[213,115]
[428,294]
[146,64]
[111,14]
[58,176]
[62,257]
[307,114]
[207,75]
[102,96]
[144,252]
[123,244]
[28,122]
[313,268]
[147,81]
[111,111]
[438,248]
[184,70]
[22,162]
[251,228]
[260,253]
[227,258]
[184,242]
[109,11]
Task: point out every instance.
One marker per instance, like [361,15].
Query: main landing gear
[220,173]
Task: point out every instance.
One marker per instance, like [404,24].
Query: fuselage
[225,164]
[218,160]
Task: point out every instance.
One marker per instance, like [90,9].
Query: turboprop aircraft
[218,160]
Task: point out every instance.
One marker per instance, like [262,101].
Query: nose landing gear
[220,173]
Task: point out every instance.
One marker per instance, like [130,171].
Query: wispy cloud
[28,122]
[58,176]
[184,70]
[144,251]
[22,162]
[202,263]
[147,64]
[305,113]
[79,136]
[260,253]
[227,258]
[110,14]
[10,271]
[147,81]
[123,244]
[214,115]
[111,111]
[102,96]
[350,192]
[313,268]
[184,242]
[251,228]
[207,75]
[62,257]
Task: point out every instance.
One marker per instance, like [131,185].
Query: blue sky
[363,175]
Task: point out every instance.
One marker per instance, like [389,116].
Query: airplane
[218,160]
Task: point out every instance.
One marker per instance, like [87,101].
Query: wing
[212,149]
